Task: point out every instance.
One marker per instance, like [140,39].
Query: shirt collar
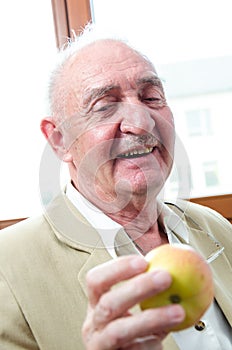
[108,229]
[173,224]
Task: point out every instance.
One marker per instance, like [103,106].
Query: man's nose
[136,119]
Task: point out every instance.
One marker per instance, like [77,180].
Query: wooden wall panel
[6,223]
[222,204]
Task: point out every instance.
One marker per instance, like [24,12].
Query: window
[198,122]
[211,174]
[28,46]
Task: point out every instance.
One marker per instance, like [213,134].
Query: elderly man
[111,124]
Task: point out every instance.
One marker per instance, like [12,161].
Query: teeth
[148,150]
[135,152]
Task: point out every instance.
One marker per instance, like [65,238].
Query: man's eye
[104,104]
[151,99]
[157,100]
[154,101]
[103,108]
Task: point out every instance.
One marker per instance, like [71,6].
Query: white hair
[90,34]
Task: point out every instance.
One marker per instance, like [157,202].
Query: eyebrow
[99,92]
[94,93]
[153,80]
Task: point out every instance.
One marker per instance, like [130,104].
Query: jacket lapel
[73,229]
[221,269]
[223,285]
[98,256]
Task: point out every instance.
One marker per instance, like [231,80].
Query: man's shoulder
[203,215]
[23,238]
[199,217]
[34,228]
[22,229]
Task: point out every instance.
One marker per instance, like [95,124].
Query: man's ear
[55,139]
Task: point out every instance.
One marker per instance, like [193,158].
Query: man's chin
[142,189]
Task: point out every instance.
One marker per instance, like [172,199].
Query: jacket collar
[70,226]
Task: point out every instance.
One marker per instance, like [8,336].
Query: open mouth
[136,153]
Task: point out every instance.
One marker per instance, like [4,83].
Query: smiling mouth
[136,153]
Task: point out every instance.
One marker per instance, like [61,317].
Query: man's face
[120,133]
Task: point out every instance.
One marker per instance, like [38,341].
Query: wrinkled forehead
[107,59]
[100,64]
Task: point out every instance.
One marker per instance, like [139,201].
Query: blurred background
[190,45]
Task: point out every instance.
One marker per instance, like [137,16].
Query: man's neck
[142,226]
[151,239]
[139,218]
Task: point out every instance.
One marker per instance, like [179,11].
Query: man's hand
[109,324]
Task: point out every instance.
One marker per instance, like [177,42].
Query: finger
[124,331]
[147,343]
[117,301]
[101,278]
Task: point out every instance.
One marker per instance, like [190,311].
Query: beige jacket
[43,263]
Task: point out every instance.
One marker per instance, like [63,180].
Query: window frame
[69,16]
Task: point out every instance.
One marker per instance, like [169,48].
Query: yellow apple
[192,282]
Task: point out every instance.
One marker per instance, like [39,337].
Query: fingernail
[176,313]
[138,264]
[162,278]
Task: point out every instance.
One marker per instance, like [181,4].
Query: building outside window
[198,122]
[211,173]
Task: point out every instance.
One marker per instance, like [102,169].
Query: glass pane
[211,174]
[27,50]
[190,45]
[198,122]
